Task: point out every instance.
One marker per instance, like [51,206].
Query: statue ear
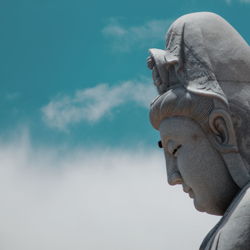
[224,138]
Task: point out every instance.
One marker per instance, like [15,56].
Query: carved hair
[240,115]
[181,102]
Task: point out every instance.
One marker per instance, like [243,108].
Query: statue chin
[200,208]
[209,210]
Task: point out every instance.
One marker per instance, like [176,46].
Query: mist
[109,199]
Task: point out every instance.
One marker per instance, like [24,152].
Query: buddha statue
[203,115]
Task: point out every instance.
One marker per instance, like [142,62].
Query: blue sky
[51,50]
[74,98]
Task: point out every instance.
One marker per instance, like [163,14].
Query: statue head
[202,111]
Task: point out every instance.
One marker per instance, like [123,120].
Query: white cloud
[92,104]
[145,35]
[60,200]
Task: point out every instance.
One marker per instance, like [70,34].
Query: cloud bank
[107,199]
[92,104]
[126,38]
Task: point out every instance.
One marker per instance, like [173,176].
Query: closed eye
[176,149]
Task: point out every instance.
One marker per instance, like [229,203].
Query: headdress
[203,53]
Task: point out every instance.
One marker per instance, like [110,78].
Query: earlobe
[224,140]
[221,126]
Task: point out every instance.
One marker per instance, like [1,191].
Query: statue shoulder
[235,233]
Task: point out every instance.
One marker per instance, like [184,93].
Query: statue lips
[188,190]
[191,193]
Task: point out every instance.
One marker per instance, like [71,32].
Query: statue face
[193,162]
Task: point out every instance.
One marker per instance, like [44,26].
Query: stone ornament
[203,116]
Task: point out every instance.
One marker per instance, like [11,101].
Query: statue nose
[174,178]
